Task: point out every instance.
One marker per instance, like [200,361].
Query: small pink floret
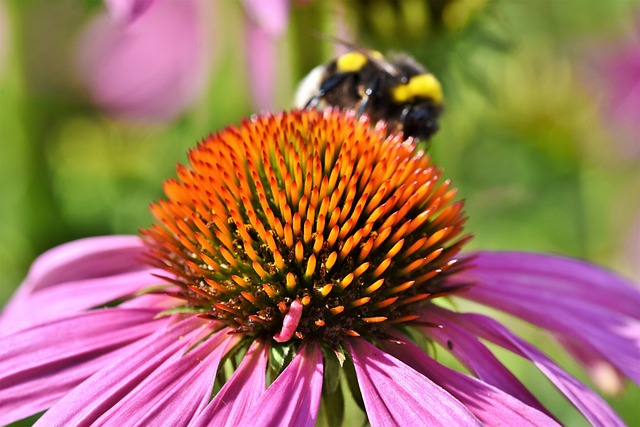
[290,322]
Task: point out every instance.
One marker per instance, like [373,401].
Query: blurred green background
[530,136]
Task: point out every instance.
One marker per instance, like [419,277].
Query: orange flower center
[307,225]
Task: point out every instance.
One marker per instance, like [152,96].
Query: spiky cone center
[307,224]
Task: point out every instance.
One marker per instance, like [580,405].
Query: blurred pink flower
[619,68]
[4,36]
[146,59]
[127,11]
[265,24]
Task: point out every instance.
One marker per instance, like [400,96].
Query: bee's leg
[313,102]
[405,113]
[327,86]
[368,93]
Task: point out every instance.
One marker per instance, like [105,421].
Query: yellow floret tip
[421,86]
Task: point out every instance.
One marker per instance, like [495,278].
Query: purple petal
[270,15]
[489,404]
[40,365]
[151,69]
[563,277]
[476,357]
[85,259]
[602,373]
[395,394]
[74,297]
[294,397]
[589,403]
[126,11]
[160,301]
[563,295]
[178,390]
[96,395]
[246,384]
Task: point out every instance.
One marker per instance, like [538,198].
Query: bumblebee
[397,90]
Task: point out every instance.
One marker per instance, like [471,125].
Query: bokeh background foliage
[531,135]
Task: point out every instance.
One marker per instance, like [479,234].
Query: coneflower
[294,252]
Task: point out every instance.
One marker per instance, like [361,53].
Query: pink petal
[96,395]
[177,391]
[126,11]
[160,301]
[151,69]
[602,373]
[563,277]
[489,404]
[563,295]
[246,384]
[270,15]
[294,397]
[476,357]
[74,297]
[40,365]
[395,394]
[85,259]
[590,404]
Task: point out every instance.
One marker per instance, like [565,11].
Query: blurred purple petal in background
[146,60]
[265,24]
[4,36]
[270,15]
[126,11]
[620,68]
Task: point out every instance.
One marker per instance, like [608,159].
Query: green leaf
[333,362]
[352,382]
[279,357]
[331,405]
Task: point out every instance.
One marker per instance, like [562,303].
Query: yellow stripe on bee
[420,86]
[352,61]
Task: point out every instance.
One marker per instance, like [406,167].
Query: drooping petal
[88,401]
[246,384]
[489,404]
[294,397]
[563,296]
[74,297]
[589,403]
[473,354]
[602,373]
[396,394]
[562,277]
[39,365]
[177,391]
[152,68]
